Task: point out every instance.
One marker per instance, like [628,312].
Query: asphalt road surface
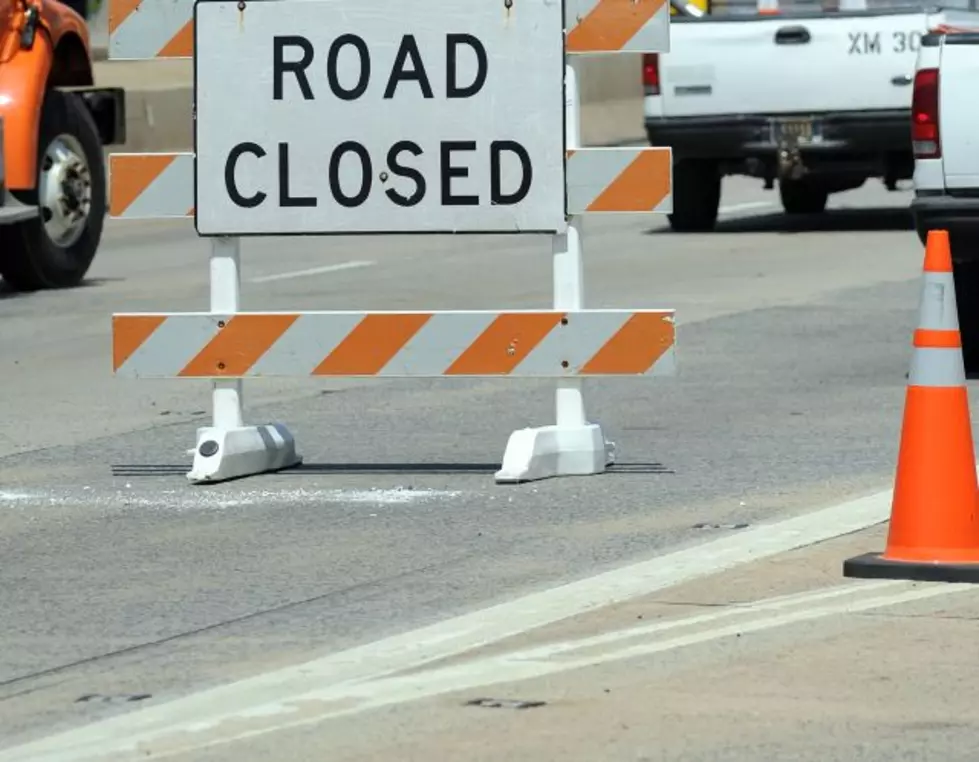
[118,579]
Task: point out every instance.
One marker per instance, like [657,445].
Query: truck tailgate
[958,132]
[791,64]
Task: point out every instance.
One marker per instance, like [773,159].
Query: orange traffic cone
[934,528]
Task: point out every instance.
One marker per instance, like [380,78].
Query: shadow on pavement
[6,292]
[832,221]
[380,469]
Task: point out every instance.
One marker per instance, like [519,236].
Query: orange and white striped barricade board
[362,117]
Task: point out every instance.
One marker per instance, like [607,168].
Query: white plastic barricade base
[224,454]
[549,451]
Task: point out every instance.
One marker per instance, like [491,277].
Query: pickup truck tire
[56,249]
[966,284]
[696,196]
[802,196]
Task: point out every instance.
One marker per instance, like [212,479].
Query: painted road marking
[747,206]
[269,695]
[356,696]
[185,501]
[355,265]
[360,696]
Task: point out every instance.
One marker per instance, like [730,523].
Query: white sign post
[379,117]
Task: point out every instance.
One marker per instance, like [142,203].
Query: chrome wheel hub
[64,190]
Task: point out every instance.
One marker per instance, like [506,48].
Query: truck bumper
[958,215]
[861,141]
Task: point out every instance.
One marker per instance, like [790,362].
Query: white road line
[355,265]
[269,696]
[745,207]
[362,696]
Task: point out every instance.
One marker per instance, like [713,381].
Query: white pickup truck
[945,130]
[818,101]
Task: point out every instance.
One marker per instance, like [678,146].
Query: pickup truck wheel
[56,249]
[696,196]
[802,197]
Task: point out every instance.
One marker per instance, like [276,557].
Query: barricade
[535,42]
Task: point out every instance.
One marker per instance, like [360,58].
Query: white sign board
[379,116]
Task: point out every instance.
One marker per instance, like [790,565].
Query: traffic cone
[934,527]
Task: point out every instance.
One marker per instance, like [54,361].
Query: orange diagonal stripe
[181,45]
[611,24]
[119,11]
[371,345]
[640,187]
[129,332]
[132,175]
[239,345]
[504,344]
[635,347]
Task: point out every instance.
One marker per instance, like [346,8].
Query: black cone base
[873,566]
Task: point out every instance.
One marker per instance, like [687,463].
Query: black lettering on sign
[402,171]
[907,42]
[864,43]
[298,68]
[286,200]
[449,171]
[361,196]
[408,49]
[365,67]
[246,202]
[496,193]
[452,43]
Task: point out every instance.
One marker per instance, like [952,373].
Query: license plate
[796,131]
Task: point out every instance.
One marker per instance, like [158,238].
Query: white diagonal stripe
[305,344]
[577,342]
[440,341]
[665,364]
[148,29]
[177,341]
[654,37]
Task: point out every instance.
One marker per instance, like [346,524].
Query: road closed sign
[379,116]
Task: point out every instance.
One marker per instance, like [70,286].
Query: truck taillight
[925,138]
[650,73]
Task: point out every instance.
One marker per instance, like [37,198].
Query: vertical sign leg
[573,446]
[228,449]
[226,300]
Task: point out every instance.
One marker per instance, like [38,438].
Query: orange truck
[54,126]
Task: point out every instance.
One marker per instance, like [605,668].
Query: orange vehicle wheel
[56,249]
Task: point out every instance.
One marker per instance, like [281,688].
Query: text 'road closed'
[293,58]
[369,121]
